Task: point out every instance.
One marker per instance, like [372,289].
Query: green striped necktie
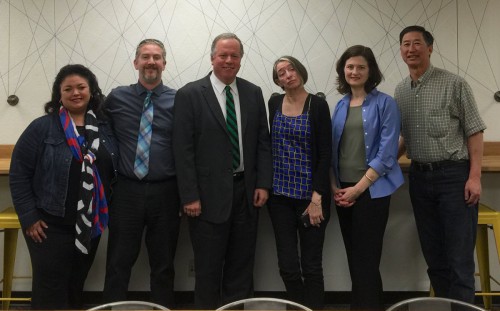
[232,127]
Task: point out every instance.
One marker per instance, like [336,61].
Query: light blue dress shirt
[381,124]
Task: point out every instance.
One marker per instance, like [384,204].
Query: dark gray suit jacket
[202,149]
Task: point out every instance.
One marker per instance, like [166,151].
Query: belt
[238,175]
[145,181]
[432,166]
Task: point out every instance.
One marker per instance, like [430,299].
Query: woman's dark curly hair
[96,97]
[374,74]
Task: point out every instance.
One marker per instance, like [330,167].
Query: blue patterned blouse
[291,143]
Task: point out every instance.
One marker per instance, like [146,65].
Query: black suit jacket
[202,149]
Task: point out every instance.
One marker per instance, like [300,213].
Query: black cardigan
[321,141]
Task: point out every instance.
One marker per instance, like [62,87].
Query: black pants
[363,226]
[136,206]
[224,254]
[301,270]
[59,269]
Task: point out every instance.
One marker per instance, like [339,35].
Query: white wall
[38,37]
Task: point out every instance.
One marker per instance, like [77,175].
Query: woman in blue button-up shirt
[366,172]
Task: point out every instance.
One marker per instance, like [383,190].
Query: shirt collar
[219,85]
[423,77]
[426,74]
[141,89]
[372,93]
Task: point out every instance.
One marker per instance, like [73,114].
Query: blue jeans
[302,274]
[447,228]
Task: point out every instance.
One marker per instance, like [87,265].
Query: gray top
[124,105]
[352,163]
[438,114]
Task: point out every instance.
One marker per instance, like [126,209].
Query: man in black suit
[222,181]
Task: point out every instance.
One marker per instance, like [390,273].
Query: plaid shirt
[438,114]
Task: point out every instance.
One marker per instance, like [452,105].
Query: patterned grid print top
[292,156]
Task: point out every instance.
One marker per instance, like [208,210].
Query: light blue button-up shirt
[381,125]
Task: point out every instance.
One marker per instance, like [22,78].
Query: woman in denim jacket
[60,176]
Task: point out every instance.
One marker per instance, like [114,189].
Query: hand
[193,209]
[315,214]
[36,231]
[346,197]
[260,197]
[472,191]
[337,197]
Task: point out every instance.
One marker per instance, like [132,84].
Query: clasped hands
[346,197]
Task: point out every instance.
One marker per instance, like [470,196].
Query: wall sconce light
[13,100]
[496,96]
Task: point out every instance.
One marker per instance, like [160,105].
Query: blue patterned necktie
[232,127]
[141,164]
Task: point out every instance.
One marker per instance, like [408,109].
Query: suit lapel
[212,102]
[243,97]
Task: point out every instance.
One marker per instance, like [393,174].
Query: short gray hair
[296,64]
[225,36]
[151,41]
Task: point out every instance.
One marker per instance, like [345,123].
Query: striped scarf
[92,210]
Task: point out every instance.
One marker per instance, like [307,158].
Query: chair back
[433,304]
[129,305]
[264,303]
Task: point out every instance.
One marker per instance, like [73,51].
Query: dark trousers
[363,226]
[137,206]
[447,229]
[224,254]
[302,273]
[59,269]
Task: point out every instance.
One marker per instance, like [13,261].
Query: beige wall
[36,39]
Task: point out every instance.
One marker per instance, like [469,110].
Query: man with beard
[145,195]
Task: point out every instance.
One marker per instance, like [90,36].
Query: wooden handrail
[6,151]
[491,158]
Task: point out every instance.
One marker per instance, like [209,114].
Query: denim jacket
[40,165]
